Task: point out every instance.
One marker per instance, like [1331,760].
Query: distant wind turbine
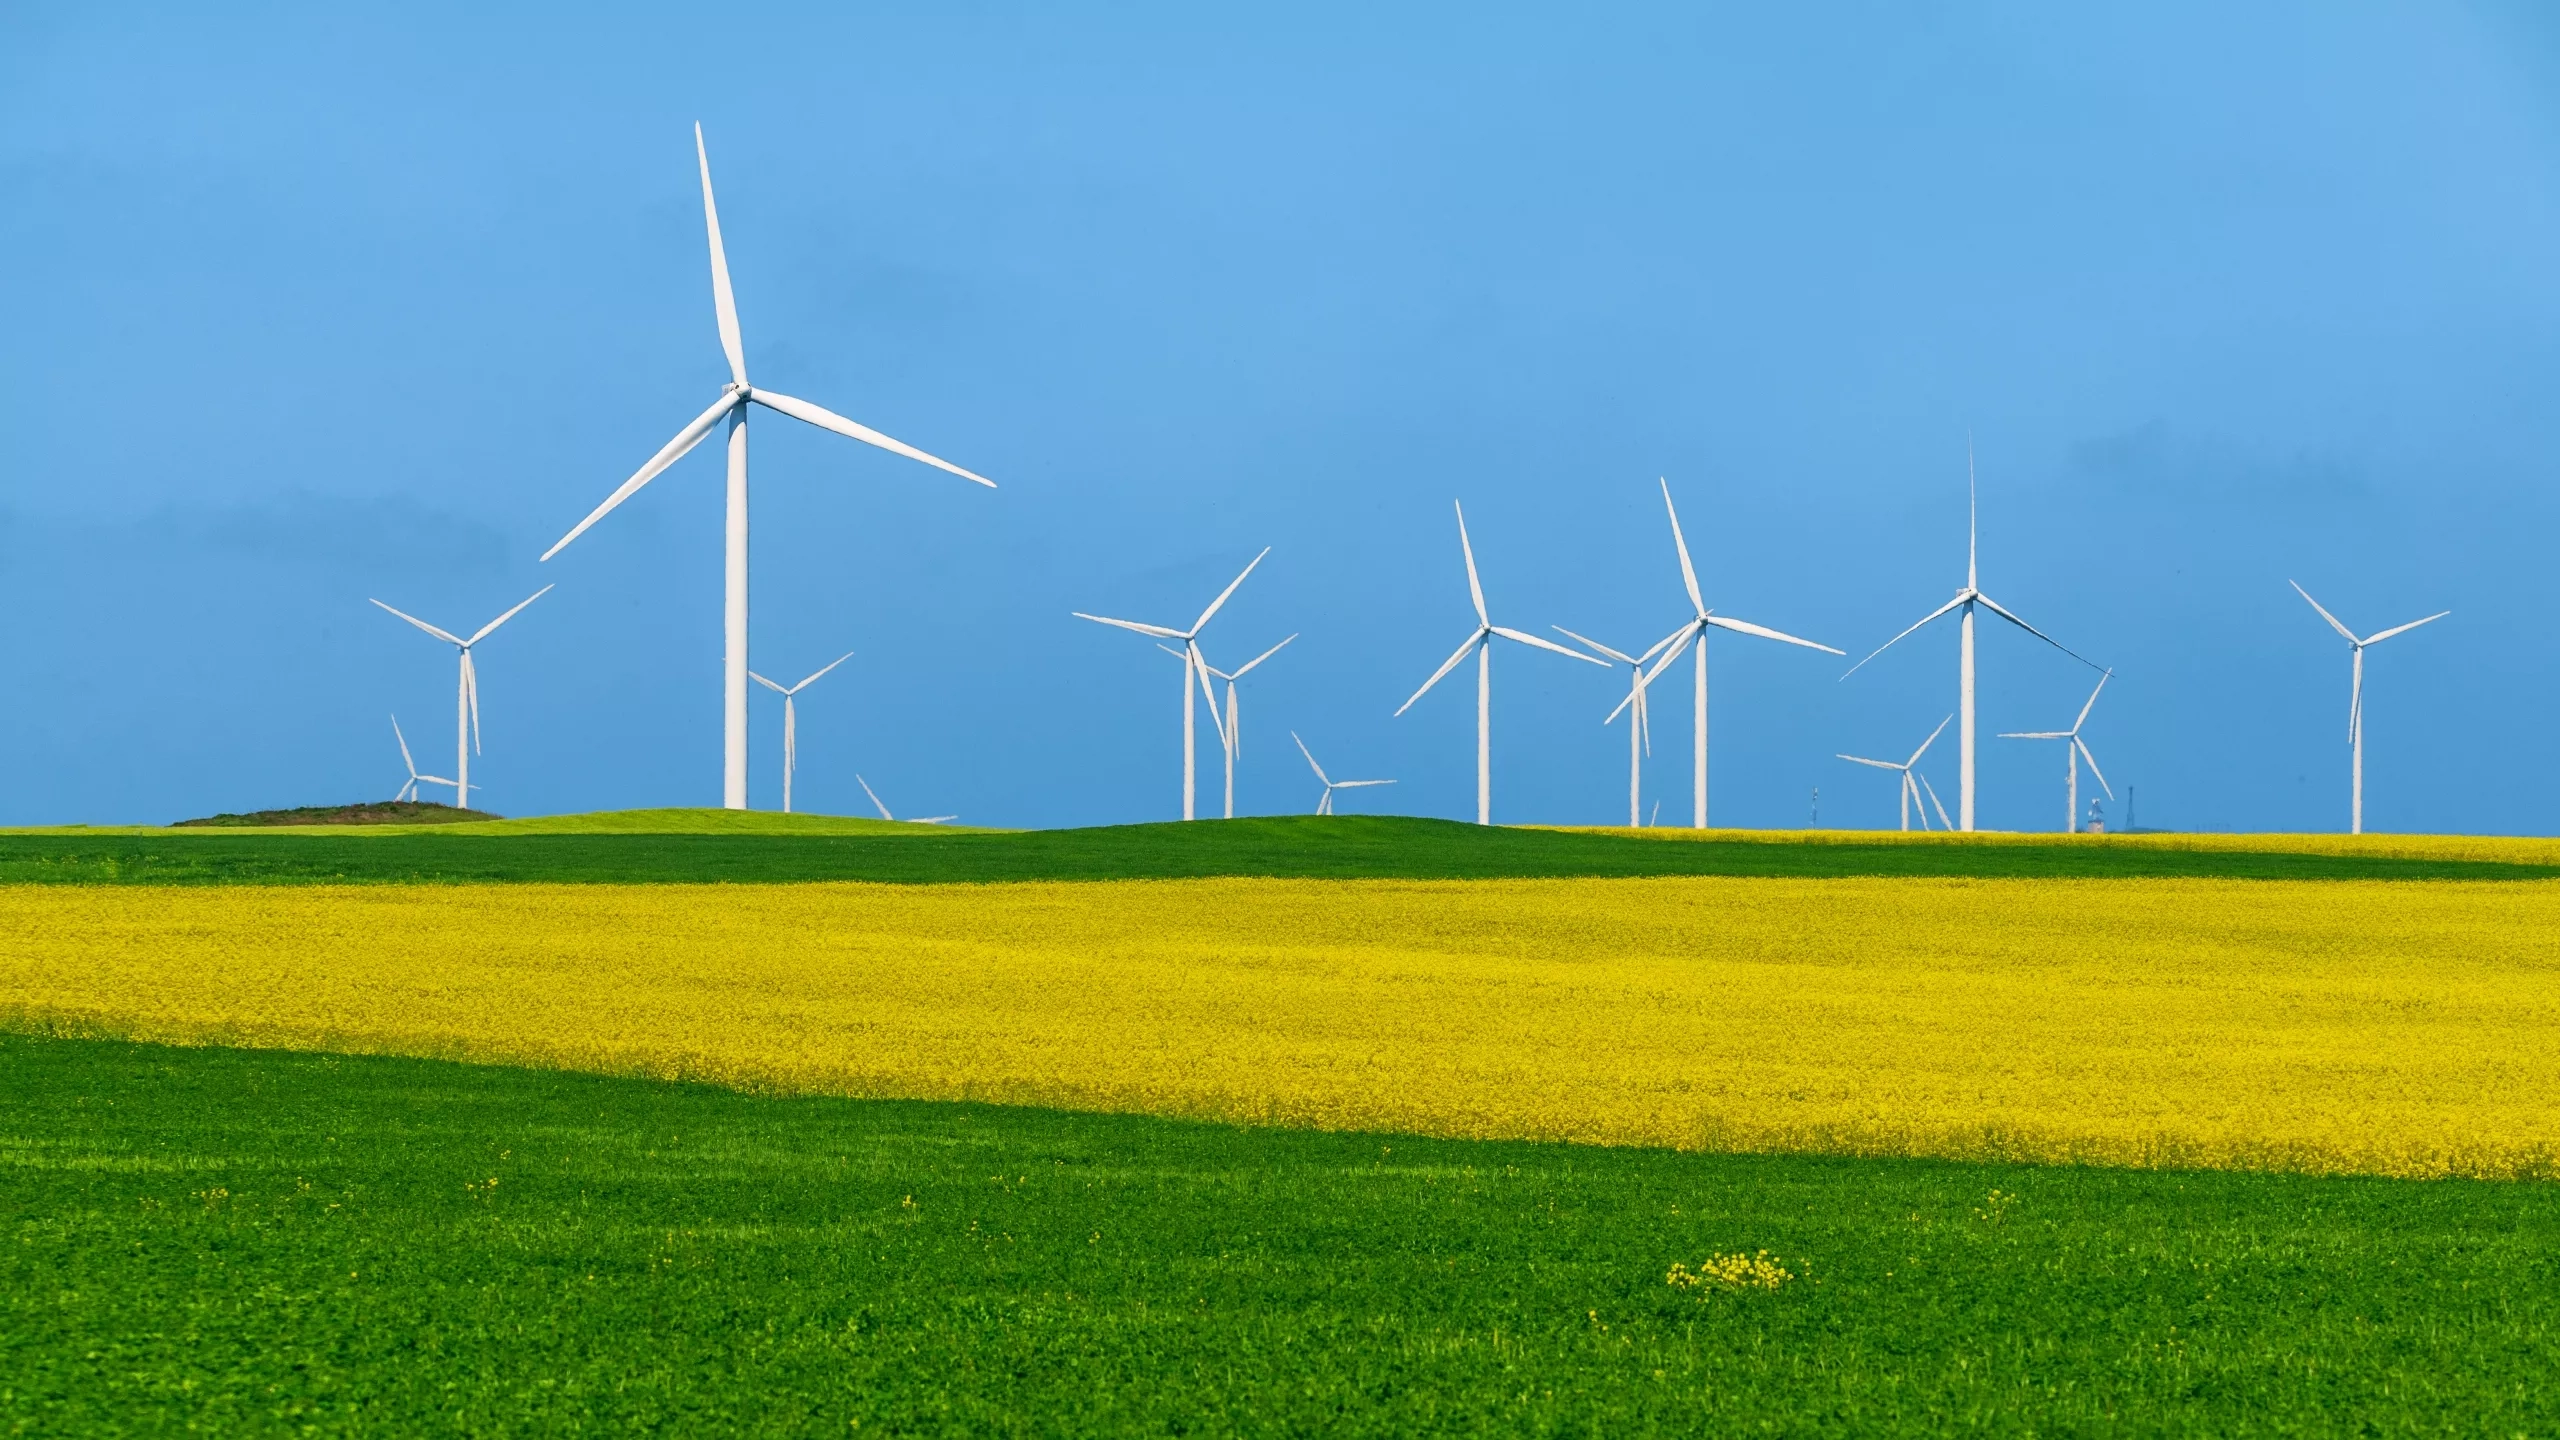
[410,790]
[1640,728]
[466,697]
[2355,700]
[1230,737]
[732,406]
[1697,628]
[1325,805]
[884,810]
[2074,750]
[1966,599]
[1912,780]
[1194,668]
[791,721]
[1481,644]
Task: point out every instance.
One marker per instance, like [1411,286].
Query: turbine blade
[1863,760]
[510,615]
[1943,822]
[1311,757]
[1198,625]
[668,454]
[826,419]
[2324,613]
[1356,784]
[1688,572]
[1452,663]
[1925,744]
[1679,644]
[1475,587]
[875,798]
[769,685]
[471,687]
[721,299]
[2035,734]
[1994,607]
[2405,629]
[1525,638]
[1898,639]
[1156,630]
[2093,766]
[821,670]
[405,760]
[1258,659]
[423,625]
[1199,669]
[1596,645]
[934,820]
[1765,633]
[1657,647]
[2092,702]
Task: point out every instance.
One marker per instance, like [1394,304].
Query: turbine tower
[1966,599]
[791,721]
[1230,737]
[1912,780]
[732,406]
[1325,805]
[1194,668]
[1639,729]
[2355,699]
[2074,750]
[1697,628]
[466,696]
[1481,643]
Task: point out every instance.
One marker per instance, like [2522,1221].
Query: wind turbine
[1230,738]
[1481,643]
[1966,599]
[1912,780]
[884,810]
[1325,805]
[791,721]
[1193,667]
[732,406]
[2074,750]
[410,790]
[466,696]
[1639,729]
[1697,628]
[2355,702]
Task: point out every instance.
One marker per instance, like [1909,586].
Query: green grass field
[265,1242]
[647,847]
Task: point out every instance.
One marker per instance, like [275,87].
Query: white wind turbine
[1325,805]
[732,406]
[884,810]
[2355,701]
[1913,780]
[1230,736]
[1966,599]
[1639,729]
[410,790]
[1697,628]
[2074,750]
[1481,643]
[466,696]
[1194,667]
[791,720]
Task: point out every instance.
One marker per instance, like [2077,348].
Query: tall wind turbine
[884,810]
[466,696]
[1481,643]
[1194,668]
[732,406]
[1912,780]
[791,720]
[2355,701]
[1639,728]
[1325,805]
[2074,750]
[1697,628]
[1230,736]
[1966,599]
[410,790]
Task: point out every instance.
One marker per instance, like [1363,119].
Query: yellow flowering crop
[2405,1029]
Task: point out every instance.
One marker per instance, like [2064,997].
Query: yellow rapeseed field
[2403,1029]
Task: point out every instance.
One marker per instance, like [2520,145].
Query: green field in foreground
[659,846]
[272,1242]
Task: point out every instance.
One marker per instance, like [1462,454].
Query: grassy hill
[657,846]
[379,812]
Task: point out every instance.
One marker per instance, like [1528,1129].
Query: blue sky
[308,306]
